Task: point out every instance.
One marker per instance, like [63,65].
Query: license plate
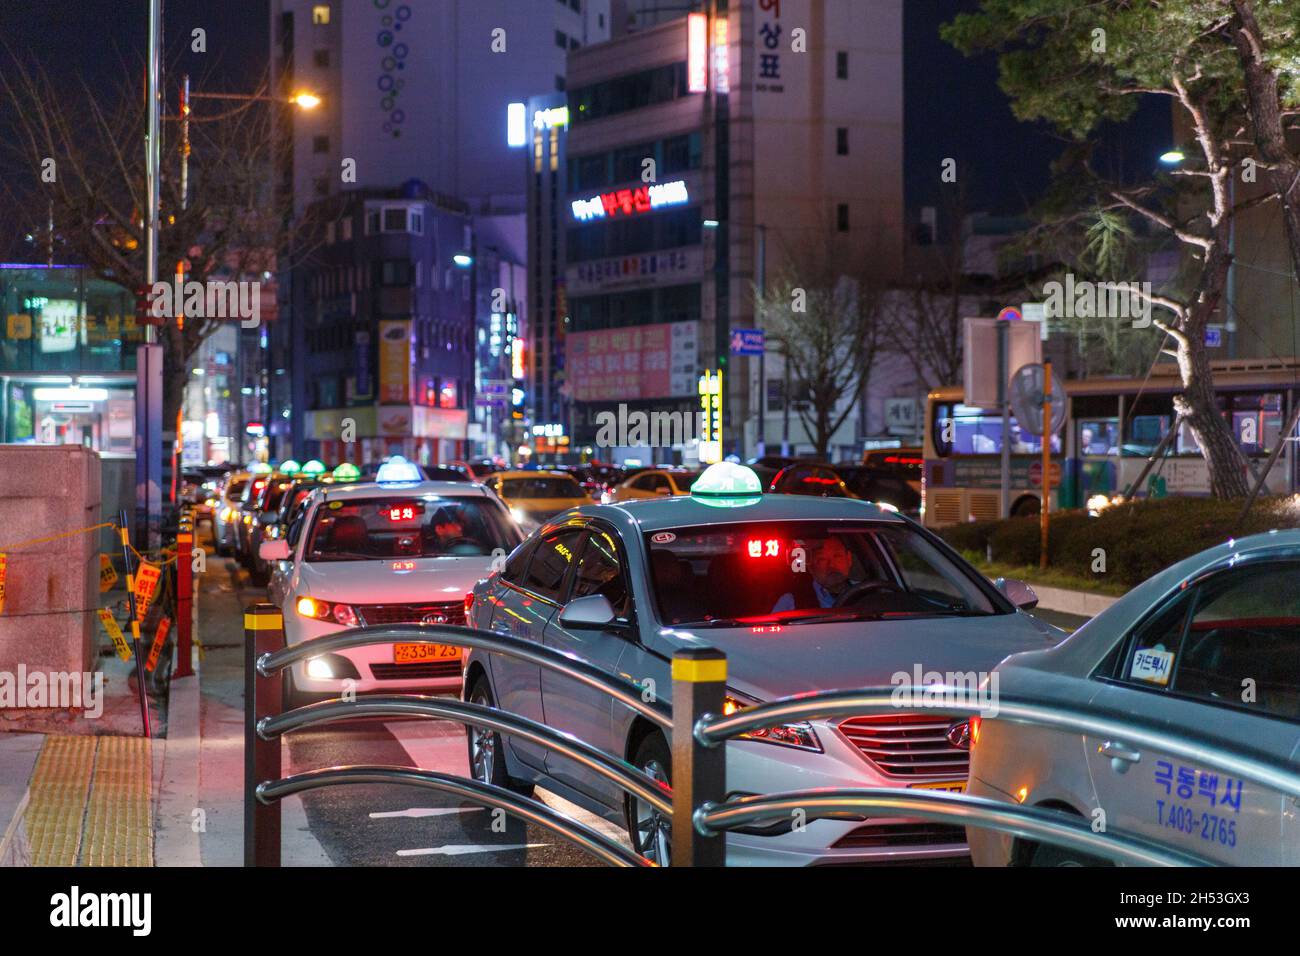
[420,653]
[958,786]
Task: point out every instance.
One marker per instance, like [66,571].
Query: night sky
[952,105]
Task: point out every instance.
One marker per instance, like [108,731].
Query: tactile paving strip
[91,803]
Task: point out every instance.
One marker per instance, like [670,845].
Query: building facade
[703,153]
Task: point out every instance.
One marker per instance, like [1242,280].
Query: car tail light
[469,603]
[345,615]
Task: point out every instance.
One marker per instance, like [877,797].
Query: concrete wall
[46,490]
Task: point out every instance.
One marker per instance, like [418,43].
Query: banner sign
[114,632]
[146,588]
[158,641]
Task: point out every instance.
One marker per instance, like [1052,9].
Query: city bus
[1113,426]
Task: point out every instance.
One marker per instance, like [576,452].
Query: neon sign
[697,52]
[630,202]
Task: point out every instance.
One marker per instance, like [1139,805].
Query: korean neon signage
[697,52]
[631,202]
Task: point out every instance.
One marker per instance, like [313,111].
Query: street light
[1172,157]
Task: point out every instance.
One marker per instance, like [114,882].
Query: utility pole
[148,362]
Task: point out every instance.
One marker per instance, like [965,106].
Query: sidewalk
[109,797]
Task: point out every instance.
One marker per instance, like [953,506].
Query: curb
[1081,603]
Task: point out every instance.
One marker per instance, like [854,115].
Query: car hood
[377,582]
[803,658]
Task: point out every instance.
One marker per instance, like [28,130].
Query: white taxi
[395,551]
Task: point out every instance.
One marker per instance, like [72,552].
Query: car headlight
[318,668]
[518,514]
[798,735]
[225,514]
[325,611]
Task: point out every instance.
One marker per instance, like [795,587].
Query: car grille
[908,745]
[901,834]
[415,671]
[452,612]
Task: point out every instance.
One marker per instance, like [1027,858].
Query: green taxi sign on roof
[313,467]
[727,479]
[290,467]
[346,472]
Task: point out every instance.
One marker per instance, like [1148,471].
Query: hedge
[1138,538]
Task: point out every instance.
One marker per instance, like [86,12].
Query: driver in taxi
[830,563]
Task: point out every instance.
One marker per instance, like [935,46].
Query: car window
[1241,648]
[236,488]
[599,571]
[517,563]
[551,560]
[546,487]
[424,526]
[806,571]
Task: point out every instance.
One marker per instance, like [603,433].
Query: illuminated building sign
[549,118]
[631,202]
[516,114]
[721,60]
[711,417]
[697,53]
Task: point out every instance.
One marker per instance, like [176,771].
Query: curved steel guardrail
[485,794]
[623,774]
[625,692]
[1048,826]
[711,730]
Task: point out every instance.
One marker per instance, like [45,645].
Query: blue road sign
[1213,337]
[747,341]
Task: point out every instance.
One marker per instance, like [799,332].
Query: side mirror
[590,613]
[273,549]
[1017,592]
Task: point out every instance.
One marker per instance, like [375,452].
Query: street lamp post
[148,361]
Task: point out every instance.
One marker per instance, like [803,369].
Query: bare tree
[824,314]
[232,227]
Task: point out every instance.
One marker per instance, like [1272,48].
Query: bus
[1112,427]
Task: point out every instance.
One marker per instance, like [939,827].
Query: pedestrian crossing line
[463,849]
[417,812]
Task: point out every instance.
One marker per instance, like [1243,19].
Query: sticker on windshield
[1152,665]
[663,537]
[335,505]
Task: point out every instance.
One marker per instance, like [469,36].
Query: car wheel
[487,760]
[649,830]
[1048,855]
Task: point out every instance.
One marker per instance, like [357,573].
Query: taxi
[225,512]
[1210,648]
[652,483]
[534,496]
[399,550]
[803,594]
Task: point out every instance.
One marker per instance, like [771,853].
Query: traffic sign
[1009,314]
[1036,474]
[747,341]
[1213,336]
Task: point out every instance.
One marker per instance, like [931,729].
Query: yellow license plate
[958,786]
[420,653]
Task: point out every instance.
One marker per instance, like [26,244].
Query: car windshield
[426,526]
[549,486]
[795,572]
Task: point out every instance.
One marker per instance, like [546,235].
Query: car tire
[650,833]
[1045,854]
[486,749]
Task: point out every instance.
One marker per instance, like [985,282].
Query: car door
[574,707]
[526,600]
[1218,662]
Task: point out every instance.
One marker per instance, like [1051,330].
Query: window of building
[660,84]
[842,65]
[320,144]
[576,5]
[395,272]
[842,141]
[573,43]
[372,222]
[842,217]
[346,228]
[320,14]
[561,40]
[321,58]
[395,219]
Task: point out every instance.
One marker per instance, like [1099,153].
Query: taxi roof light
[398,470]
[289,467]
[727,479]
[313,467]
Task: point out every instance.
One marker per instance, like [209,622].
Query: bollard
[699,773]
[184,596]
[263,633]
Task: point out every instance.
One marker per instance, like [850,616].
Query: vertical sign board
[395,362]
[697,52]
[980,358]
[711,417]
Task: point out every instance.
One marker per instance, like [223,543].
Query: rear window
[806,571]
[409,527]
[548,487]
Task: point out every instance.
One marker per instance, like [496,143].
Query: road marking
[430,746]
[461,849]
[416,812]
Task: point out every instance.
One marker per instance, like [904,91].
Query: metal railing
[697,731]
